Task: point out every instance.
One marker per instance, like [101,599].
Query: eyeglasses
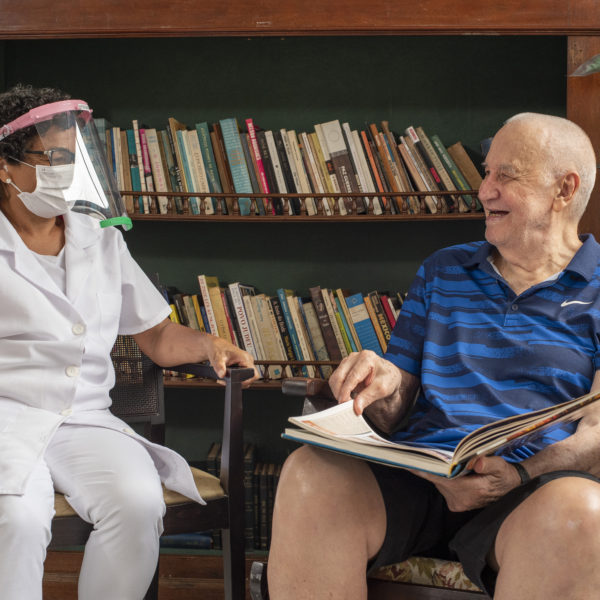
[56,156]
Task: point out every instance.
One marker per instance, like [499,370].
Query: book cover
[323,172]
[381,316]
[303,184]
[222,167]
[313,172]
[344,327]
[136,184]
[375,322]
[459,204]
[460,183]
[331,308]
[253,172]
[184,153]
[140,163]
[416,174]
[260,167]
[284,333]
[267,334]
[237,162]
[302,333]
[208,156]
[213,304]
[339,428]
[467,167]
[249,464]
[282,294]
[343,307]
[172,168]
[320,144]
[238,291]
[390,173]
[315,335]
[426,164]
[324,321]
[340,157]
[157,170]
[173,126]
[362,323]
[198,172]
[274,205]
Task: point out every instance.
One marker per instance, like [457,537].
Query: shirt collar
[584,262]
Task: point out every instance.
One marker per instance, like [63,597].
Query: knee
[567,509]
[314,480]
[135,501]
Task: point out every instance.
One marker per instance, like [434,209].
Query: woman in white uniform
[68,286]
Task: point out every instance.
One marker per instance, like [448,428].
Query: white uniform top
[55,347]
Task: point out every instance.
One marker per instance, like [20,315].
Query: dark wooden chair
[417,578]
[138,398]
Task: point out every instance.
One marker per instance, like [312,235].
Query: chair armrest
[316,392]
[205,370]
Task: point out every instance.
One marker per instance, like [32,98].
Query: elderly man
[489,329]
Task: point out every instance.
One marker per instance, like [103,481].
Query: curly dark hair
[16,102]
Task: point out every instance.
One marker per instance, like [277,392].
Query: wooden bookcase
[457,69]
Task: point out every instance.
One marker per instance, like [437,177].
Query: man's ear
[567,186]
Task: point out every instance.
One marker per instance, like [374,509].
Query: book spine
[237,162]
[157,169]
[284,333]
[305,348]
[362,323]
[343,307]
[325,324]
[376,324]
[331,313]
[257,155]
[140,163]
[281,294]
[380,317]
[212,322]
[133,166]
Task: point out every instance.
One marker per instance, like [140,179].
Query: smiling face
[518,192]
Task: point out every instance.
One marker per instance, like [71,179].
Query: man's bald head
[561,147]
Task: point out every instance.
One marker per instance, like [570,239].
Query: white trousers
[111,481]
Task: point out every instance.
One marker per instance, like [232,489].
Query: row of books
[260,486]
[325,326]
[334,158]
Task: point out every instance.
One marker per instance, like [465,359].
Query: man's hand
[492,477]
[375,383]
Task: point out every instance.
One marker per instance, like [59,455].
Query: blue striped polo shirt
[483,353]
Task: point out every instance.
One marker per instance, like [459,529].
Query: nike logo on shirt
[565,303]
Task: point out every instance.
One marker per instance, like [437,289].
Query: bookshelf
[458,72]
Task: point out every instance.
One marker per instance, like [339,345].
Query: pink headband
[43,113]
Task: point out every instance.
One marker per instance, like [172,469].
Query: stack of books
[323,326]
[332,159]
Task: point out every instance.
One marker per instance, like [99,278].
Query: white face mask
[48,198]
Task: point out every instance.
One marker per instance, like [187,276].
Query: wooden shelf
[159,18]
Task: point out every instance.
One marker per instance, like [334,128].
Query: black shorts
[419,522]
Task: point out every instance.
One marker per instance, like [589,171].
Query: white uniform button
[66,412]
[72,371]
[78,328]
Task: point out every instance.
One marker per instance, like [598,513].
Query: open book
[339,428]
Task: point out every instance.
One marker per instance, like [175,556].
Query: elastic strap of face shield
[45,113]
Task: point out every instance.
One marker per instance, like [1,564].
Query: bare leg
[329,519]
[549,547]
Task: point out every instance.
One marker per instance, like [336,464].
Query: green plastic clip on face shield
[68,135]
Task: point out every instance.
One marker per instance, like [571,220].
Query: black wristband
[522,471]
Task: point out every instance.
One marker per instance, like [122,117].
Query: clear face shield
[70,142]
